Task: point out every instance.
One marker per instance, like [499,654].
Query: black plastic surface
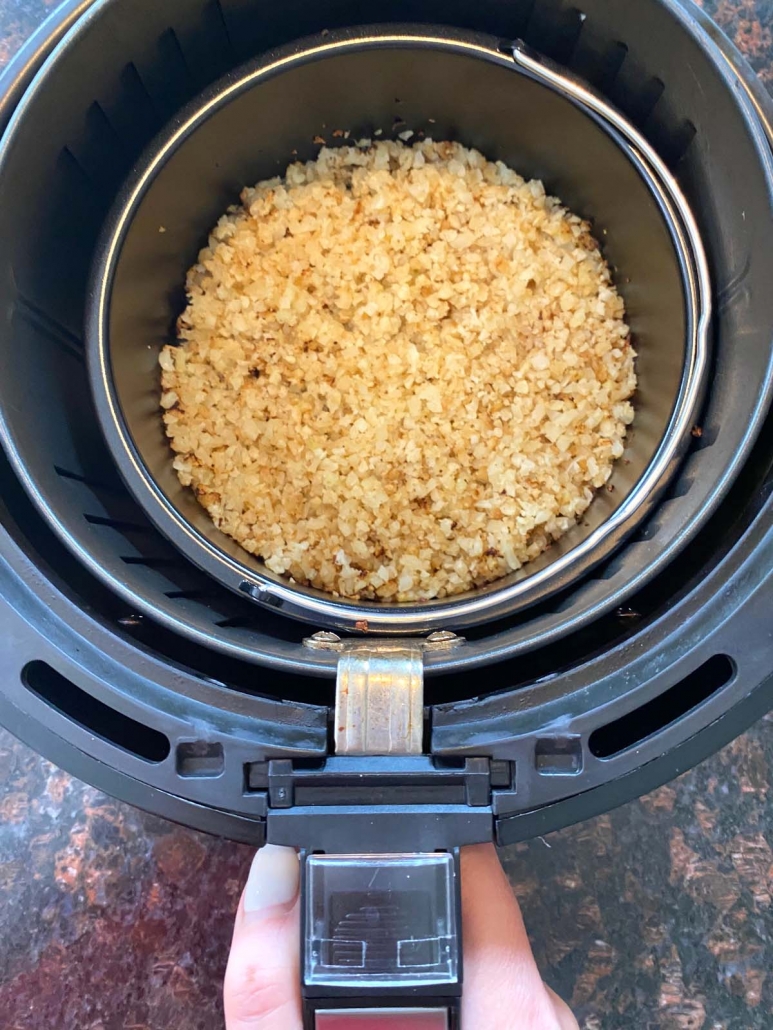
[379,804]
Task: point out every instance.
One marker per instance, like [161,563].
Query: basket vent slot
[652,717]
[93,715]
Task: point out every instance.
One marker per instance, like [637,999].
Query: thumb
[262,987]
[502,985]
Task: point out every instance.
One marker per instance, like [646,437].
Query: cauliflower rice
[402,372]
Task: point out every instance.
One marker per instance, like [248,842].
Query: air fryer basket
[85,145]
[124,662]
[449,86]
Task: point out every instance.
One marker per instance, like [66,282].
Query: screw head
[442,640]
[323,640]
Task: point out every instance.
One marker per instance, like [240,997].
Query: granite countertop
[657,916]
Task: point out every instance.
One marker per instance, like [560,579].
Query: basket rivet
[323,640]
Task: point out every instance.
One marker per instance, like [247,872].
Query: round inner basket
[249,127]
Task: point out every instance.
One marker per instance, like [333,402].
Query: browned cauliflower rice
[402,371]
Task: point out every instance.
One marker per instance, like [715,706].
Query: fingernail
[273,878]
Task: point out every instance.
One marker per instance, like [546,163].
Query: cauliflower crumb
[402,372]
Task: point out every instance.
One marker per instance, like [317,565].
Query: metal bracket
[379,707]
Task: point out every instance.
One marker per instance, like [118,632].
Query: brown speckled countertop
[658,916]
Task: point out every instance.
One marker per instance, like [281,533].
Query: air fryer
[138,664]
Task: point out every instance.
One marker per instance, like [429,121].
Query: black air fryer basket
[144,653]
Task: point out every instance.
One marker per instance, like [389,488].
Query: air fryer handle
[381,941]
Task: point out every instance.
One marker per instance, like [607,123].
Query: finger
[566,1020]
[502,985]
[262,986]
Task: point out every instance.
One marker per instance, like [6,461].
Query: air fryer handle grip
[381,941]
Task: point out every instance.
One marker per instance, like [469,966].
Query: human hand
[502,985]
